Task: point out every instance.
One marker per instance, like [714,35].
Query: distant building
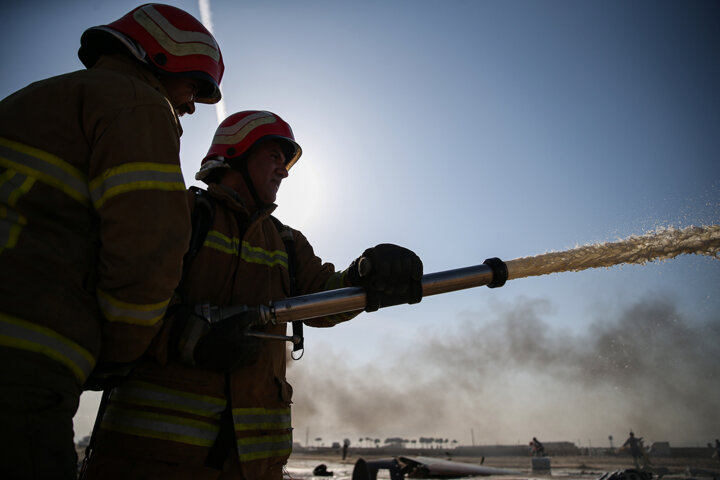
[561,448]
[660,449]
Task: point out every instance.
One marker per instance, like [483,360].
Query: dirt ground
[561,466]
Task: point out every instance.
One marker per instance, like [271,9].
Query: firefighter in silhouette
[634,445]
[217,404]
[93,221]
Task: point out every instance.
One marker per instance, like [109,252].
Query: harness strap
[289,241]
[202,219]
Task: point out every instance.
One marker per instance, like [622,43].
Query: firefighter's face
[266,164]
[181,93]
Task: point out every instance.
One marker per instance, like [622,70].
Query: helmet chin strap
[243,169]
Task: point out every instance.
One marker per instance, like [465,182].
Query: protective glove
[394,276]
[221,346]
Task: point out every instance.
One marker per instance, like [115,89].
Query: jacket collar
[233,200]
[120,62]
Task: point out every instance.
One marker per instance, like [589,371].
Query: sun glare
[300,197]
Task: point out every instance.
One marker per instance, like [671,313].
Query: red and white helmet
[165,37]
[240,131]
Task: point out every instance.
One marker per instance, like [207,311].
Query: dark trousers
[38,399]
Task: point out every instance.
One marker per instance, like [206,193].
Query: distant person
[537,448]
[93,220]
[717,449]
[218,405]
[345,446]
[635,446]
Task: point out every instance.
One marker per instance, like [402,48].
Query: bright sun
[300,197]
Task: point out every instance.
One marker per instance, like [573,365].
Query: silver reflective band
[136,314]
[165,427]
[135,176]
[264,447]
[45,167]
[259,255]
[147,394]
[28,336]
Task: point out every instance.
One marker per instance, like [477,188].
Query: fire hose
[493,273]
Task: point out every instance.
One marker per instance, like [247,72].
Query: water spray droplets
[662,244]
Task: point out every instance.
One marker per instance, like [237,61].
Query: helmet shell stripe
[236,133]
[177,42]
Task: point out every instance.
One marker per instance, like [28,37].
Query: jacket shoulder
[124,89]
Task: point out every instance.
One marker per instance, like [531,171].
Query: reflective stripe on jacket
[16,333]
[93,218]
[191,419]
[237,265]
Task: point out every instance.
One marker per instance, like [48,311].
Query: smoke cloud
[513,376]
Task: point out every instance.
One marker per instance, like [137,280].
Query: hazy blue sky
[466,130]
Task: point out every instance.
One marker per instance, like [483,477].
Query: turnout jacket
[172,412]
[93,219]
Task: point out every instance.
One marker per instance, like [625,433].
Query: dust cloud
[510,375]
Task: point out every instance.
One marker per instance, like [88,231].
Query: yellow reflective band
[16,333]
[222,243]
[44,167]
[116,310]
[150,395]
[259,255]
[12,186]
[233,134]
[250,254]
[177,42]
[163,427]
[261,419]
[135,176]
[11,224]
[267,446]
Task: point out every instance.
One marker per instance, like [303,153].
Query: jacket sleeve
[138,192]
[315,276]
